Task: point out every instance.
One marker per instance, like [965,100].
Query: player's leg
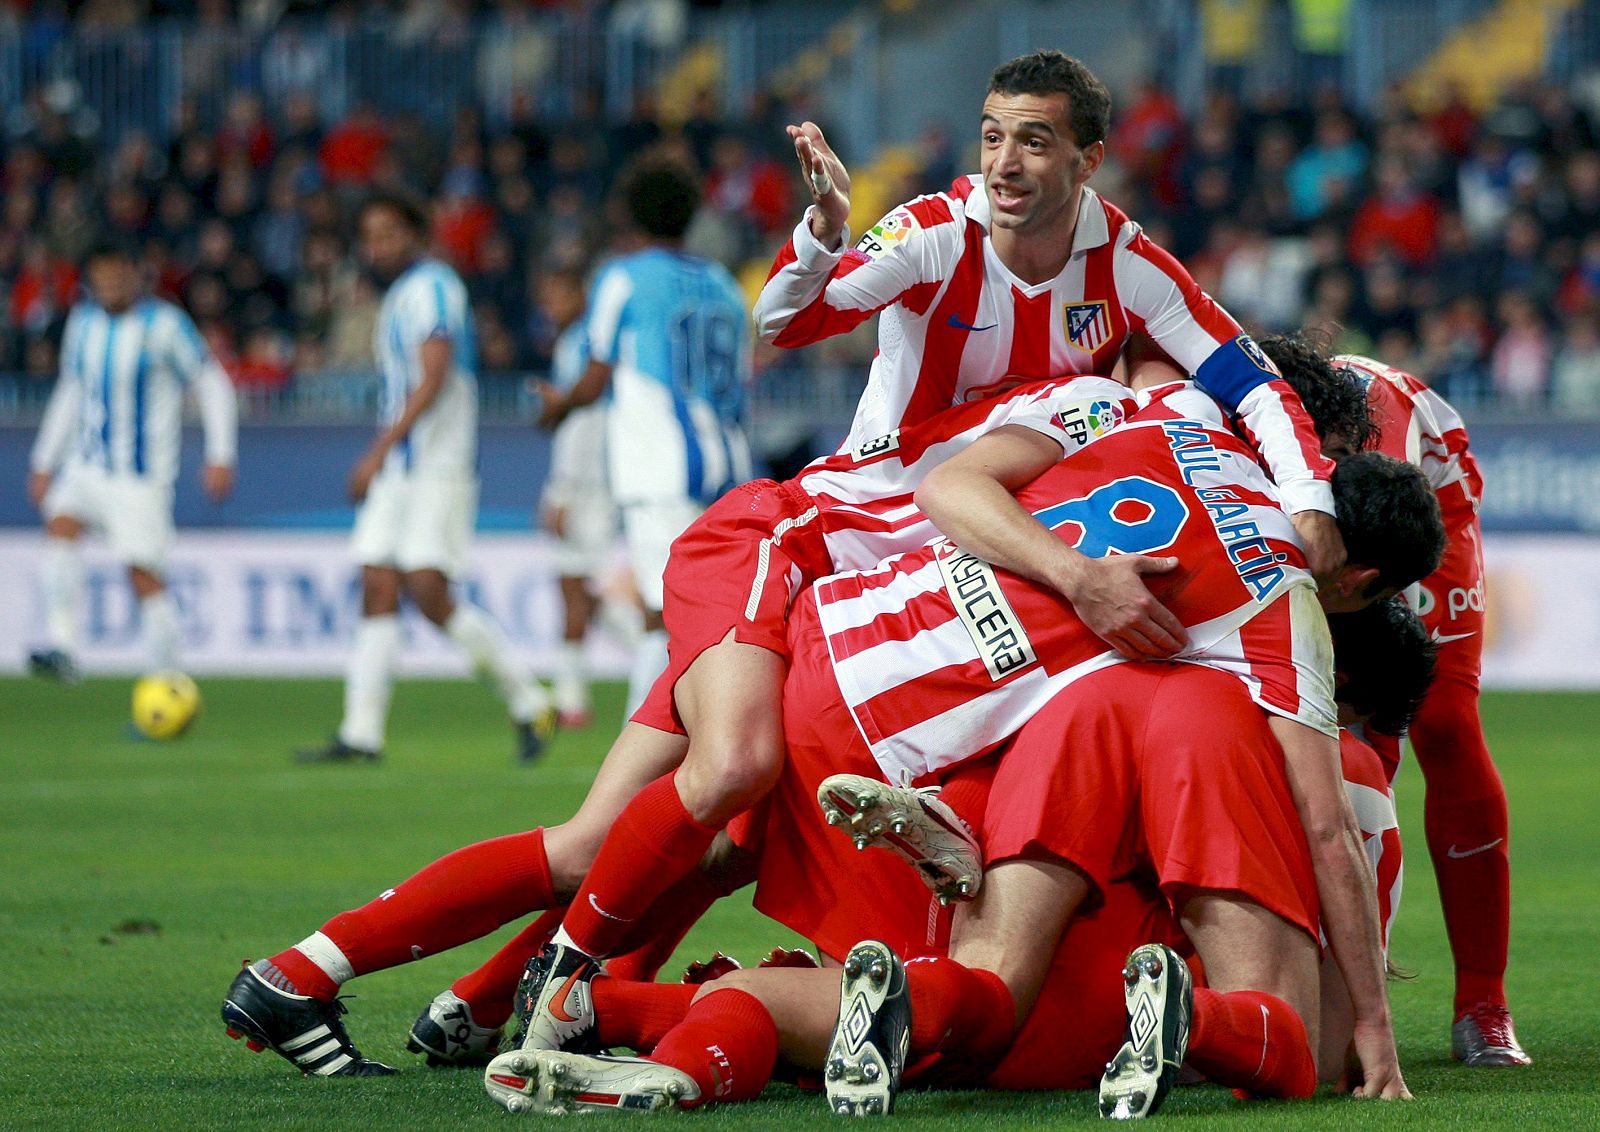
[649,530]
[138,524]
[1253,1020]
[1465,812]
[158,618]
[578,607]
[432,550]
[62,585]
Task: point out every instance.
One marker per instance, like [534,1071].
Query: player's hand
[38,485]
[217,479]
[1324,545]
[1380,1063]
[553,405]
[827,181]
[1110,596]
[362,474]
[555,521]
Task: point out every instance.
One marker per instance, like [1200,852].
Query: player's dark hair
[661,196]
[111,247]
[1389,518]
[1334,398]
[1052,72]
[1387,661]
[412,212]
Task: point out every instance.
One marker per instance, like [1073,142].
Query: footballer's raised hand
[827,180]
[1112,599]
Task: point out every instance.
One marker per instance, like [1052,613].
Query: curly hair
[1052,72]
[661,197]
[1389,518]
[1335,399]
[1387,661]
[411,212]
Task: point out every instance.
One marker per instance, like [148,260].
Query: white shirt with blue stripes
[428,301]
[118,403]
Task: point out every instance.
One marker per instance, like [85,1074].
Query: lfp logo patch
[1084,422]
[1088,324]
[886,233]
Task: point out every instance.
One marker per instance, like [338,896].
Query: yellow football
[165,704]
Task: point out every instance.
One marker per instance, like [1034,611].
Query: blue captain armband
[1234,369]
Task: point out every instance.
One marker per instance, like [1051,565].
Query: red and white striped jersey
[957,324]
[1420,427]
[865,497]
[940,657]
[1373,801]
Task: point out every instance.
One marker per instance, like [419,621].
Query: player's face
[114,281]
[561,300]
[1032,166]
[388,242]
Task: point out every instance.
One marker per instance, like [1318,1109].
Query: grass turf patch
[138,875]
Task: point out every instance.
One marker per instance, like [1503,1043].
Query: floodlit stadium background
[1422,179]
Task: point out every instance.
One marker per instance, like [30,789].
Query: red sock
[489,989]
[652,940]
[1468,838]
[958,1008]
[727,1042]
[653,844]
[1252,1041]
[638,1015]
[458,898]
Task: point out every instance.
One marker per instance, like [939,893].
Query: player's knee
[431,594]
[727,779]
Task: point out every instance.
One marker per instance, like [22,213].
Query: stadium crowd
[1462,245]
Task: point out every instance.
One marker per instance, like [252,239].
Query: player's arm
[608,309]
[1345,891]
[55,433]
[969,497]
[819,286]
[1203,338]
[199,369]
[435,355]
[559,403]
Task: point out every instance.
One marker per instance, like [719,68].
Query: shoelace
[1494,1023]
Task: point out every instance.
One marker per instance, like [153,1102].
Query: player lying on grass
[1011,1008]
[729,584]
[935,657]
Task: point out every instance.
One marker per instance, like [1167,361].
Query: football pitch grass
[137,875]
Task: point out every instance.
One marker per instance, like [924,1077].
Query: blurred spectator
[350,150]
[1397,219]
[1575,376]
[264,362]
[244,132]
[1150,134]
[1326,172]
[67,225]
[1520,363]
[43,291]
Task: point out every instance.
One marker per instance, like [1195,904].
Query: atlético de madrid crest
[1088,324]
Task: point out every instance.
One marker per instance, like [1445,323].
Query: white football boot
[555,1083]
[912,823]
[873,1035]
[1159,993]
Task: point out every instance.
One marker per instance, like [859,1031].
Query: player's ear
[1354,580]
[1093,156]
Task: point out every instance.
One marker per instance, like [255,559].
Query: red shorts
[736,569]
[1450,602]
[811,878]
[1169,764]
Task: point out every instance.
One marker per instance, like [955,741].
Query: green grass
[234,852]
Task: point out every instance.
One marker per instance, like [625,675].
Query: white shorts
[134,513]
[650,529]
[415,523]
[583,550]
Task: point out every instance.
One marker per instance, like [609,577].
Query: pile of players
[1062,647]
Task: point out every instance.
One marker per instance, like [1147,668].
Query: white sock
[368,682]
[326,955]
[63,583]
[649,662]
[572,677]
[491,654]
[158,627]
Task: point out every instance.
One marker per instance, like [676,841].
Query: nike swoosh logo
[959,325]
[1441,638]
[558,1004]
[595,904]
[1456,855]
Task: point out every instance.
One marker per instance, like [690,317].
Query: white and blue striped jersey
[578,449]
[118,403]
[428,301]
[675,331]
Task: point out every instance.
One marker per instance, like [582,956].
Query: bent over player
[418,489]
[107,451]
